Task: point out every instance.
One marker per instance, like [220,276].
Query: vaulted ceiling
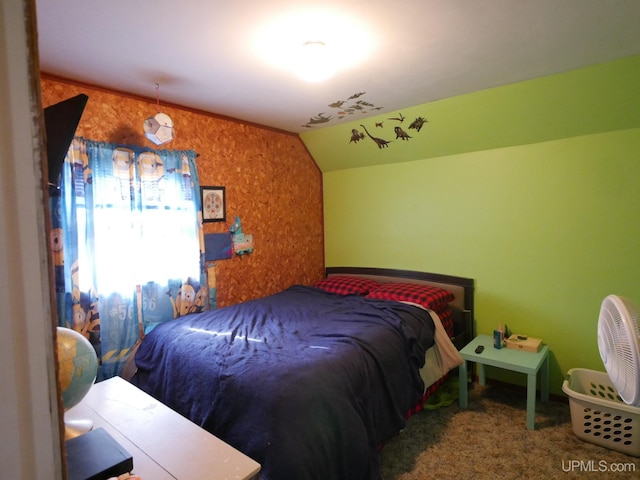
[237,58]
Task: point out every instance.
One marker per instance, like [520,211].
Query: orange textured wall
[272,184]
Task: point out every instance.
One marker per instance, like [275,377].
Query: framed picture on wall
[214,204]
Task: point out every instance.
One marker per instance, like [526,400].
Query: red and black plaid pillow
[445,314]
[426,295]
[346,285]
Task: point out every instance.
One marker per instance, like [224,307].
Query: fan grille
[618,339]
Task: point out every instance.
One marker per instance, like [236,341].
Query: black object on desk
[96,455]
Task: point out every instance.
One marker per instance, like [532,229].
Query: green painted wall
[600,98]
[547,228]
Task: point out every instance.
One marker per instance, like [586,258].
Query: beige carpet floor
[489,440]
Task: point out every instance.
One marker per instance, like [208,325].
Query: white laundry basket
[598,414]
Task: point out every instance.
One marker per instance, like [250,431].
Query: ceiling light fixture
[298,40]
[159,128]
[315,63]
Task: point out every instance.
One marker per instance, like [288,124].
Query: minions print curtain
[127,244]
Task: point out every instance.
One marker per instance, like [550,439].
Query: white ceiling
[219,56]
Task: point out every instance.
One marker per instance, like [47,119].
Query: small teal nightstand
[509,359]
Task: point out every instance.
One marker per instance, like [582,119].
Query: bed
[310,382]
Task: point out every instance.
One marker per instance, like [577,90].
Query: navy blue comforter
[305,382]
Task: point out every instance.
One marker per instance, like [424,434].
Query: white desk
[164,444]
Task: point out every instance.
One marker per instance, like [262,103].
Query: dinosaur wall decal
[379,141]
[356,136]
[401,134]
[399,118]
[352,105]
[418,123]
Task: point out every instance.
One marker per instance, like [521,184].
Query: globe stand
[77,370]
[75,427]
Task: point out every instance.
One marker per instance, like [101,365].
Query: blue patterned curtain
[127,244]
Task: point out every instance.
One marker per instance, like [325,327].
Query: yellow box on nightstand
[522,342]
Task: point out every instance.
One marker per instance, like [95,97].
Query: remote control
[479,348]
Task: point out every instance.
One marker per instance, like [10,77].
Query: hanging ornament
[159,128]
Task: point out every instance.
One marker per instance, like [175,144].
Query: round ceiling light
[313,43]
[315,63]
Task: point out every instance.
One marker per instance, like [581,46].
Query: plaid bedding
[426,295]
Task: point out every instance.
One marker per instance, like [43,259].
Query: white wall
[29,445]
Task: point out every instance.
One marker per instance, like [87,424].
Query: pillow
[426,295]
[345,285]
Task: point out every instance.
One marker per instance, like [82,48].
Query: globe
[77,366]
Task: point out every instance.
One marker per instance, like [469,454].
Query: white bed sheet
[442,357]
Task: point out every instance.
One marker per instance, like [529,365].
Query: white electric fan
[619,345]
